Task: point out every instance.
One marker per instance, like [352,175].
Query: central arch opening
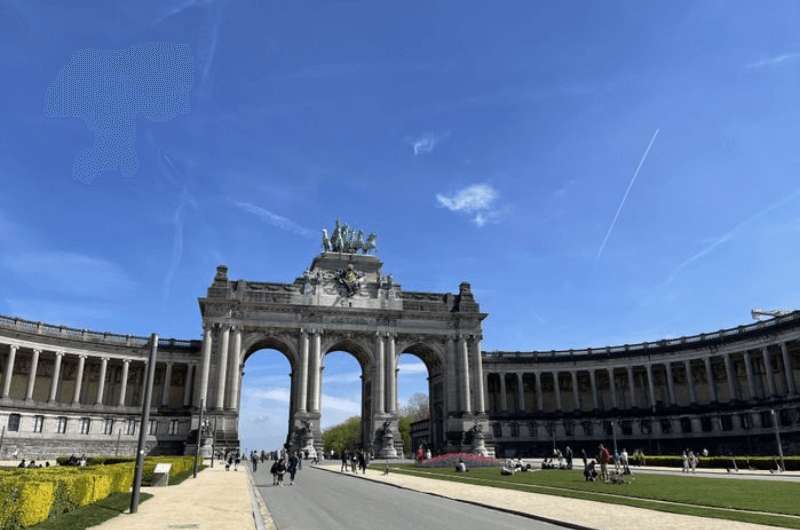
[266,395]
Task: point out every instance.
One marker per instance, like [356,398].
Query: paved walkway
[216,499]
[591,514]
[327,501]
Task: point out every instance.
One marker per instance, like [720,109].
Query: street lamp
[778,437]
[202,427]
[614,434]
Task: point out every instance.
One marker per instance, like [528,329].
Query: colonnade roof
[21,325]
[746,331]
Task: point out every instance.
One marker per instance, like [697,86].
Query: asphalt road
[324,500]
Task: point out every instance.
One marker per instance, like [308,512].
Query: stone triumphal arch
[344,302]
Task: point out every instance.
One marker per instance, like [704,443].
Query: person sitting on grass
[461,467]
[22,463]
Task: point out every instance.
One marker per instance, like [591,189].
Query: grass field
[734,499]
[91,515]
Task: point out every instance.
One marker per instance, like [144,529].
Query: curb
[261,515]
[535,517]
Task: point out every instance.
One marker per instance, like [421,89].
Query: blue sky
[492,143]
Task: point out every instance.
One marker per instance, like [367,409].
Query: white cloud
[69,273]
[426,143]
[274,219]
[478,199]
[774,60]
[416,367]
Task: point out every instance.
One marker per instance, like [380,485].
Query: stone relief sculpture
[347,240]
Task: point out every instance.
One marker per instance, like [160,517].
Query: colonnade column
[687,364]
[787,370]
[379,389]
[477,366]
[557,387]
[165,386]
[748,368]
[222,367]
[631,386]
[316,369]
[235,369]
[391,374]
[101,383]
[613,387]
[56,376]
[520,392]
[593,382]
[303,377]
[768,371]
[201,395]
[710,380]
[670,384]
[126,364]
[188,382]
[464,357]
[729,376]
[575,392]
[539,397]
[503,398]
[650,388]
[12,354]
[76,396]
[32,375]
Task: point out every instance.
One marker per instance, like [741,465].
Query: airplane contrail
[627,191]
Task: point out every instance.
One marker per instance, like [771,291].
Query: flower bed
[451,460]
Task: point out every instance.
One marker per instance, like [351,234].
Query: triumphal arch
[344,302]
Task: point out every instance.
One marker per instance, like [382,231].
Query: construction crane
[760,314]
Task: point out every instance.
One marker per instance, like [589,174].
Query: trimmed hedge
[721,462]
[30,496]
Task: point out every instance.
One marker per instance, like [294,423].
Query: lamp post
[214,441]
[614,434]
[778,437]
[201,427]
[145,421]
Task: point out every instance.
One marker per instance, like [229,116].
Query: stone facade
[76,391]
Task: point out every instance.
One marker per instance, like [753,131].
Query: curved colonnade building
[68,391]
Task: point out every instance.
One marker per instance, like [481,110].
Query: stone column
[712,387]
[379,385]
[222,367]
[465,390]
[56,376]
[32,375]
[201,392]
[557,388]
[631,386]
[316,370]
[650,388]
[670,383]
[520,392]
[730,376]
[166,385]
[748,368]
[303,373]
[76,396]
[477,366]
[539,397]
[12,354]
[503,398]
[787,370]
[391,375]
[235,369]
[593,382]
[575,392]
[188,382]
[126,364]
[613,387]
[101,383]
[687,364]
[768,371]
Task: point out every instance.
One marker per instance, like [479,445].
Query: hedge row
[30,496]
[180,464]
[722,462]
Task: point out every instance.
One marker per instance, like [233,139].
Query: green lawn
[697,495]
[91,515]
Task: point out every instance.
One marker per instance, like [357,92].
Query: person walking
[623,456]
[254,459]
[345,459]
[693,461]
[568,456]
[292,468]
[685,461]
[300,461]
[274,470]
[281,470]
[236,462]
[604,458]
[229,463]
